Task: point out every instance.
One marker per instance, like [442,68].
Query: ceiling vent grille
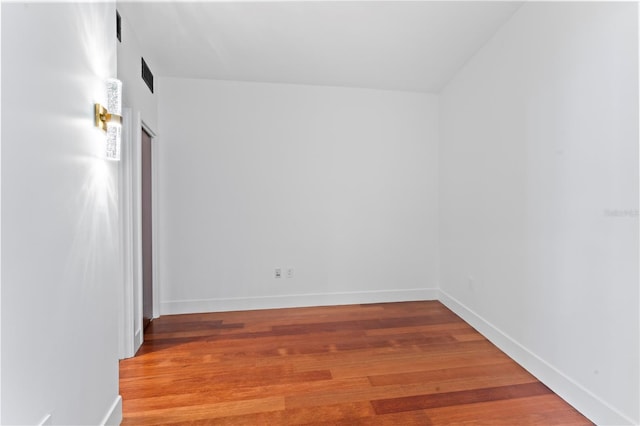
[118,26]
[147,76]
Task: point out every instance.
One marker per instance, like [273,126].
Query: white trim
[638,118]
[114,415]
[580,398]
[46,420]
[295,301]
[125,290]
[136,210]
[154,222]
[0,229]
[138,338]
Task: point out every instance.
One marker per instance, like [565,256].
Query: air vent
[118,26]
[146,75]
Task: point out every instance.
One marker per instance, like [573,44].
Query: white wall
[0,221]
[136,95]
[539,199]
[59,237]
[340,184]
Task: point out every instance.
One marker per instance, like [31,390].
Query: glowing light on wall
[109,119]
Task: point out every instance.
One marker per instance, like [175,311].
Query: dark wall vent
[146,75]
[118,26]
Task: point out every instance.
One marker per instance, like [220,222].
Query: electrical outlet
[277,273]
[290,272]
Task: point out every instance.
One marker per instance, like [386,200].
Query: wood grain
[412,363]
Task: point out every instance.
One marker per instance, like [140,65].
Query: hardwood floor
[413,363]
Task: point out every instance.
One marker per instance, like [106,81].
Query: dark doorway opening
[147,234]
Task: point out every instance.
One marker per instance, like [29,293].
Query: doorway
[147,229]
[139,293]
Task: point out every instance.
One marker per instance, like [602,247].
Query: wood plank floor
[412,363]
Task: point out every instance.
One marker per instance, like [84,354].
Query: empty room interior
[419,179]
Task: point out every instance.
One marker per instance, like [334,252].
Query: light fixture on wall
[109,119]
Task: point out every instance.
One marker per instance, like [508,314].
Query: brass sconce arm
[103,117]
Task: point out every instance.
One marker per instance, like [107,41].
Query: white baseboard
[138,338]
[114,415]
[46,420]
[580,398]
[295,301]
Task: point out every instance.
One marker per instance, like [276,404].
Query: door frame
[154,215]
[131,334]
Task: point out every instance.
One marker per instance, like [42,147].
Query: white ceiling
[394,45]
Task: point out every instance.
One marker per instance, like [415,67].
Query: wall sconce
[109,119]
